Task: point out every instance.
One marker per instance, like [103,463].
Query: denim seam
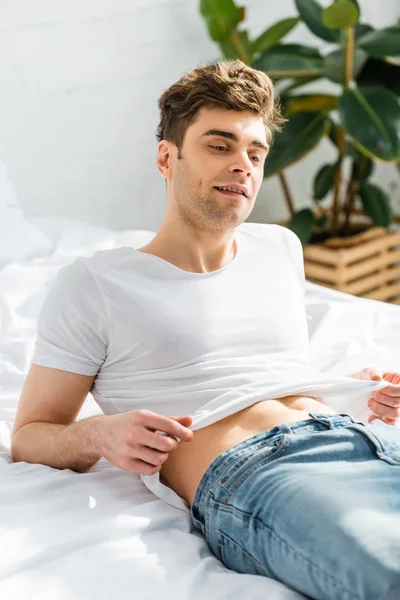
[283,444]
[220,535]
[377,446]
[296,552]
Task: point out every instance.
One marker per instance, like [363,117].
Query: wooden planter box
[365,264]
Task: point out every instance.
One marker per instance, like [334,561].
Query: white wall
[79,86]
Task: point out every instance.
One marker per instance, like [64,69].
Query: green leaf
[371,116]
[298,137]
[242,13]
[303,223]
[220,16]
[290,60]
[311,102]
[362,166]
[246,44]
[333,136]
[383,42]
[324,180]
[350,150]
[296,84]
[380,72]
[274,34]
[340,15]
[320,221]
[376,204]
[334,65]
[359,30]
[229,49]
[333,132]
[362,29]
[394,60]
[311,14]
[353,2]
[356,4]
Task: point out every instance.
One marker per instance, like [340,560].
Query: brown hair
[229,84]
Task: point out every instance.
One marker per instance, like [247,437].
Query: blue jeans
[314,504]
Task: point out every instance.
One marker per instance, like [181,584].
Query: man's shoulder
[113,256]
[108,256]
[86,268]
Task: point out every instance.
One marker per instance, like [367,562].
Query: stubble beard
[200,211]
[203,212]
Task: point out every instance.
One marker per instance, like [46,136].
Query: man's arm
[73,446]
[44,428]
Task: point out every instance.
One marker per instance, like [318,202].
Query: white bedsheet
[103,534]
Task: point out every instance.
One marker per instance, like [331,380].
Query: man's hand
[141,440]
[385,403]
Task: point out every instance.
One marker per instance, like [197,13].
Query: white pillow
[72,237]
[19,239]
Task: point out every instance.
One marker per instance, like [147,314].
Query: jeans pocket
[251,459]
[385,439]
[235,557]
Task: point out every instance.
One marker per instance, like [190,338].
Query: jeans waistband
[318,421]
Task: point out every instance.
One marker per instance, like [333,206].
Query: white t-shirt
[182,343]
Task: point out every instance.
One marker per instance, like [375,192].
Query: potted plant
[346,233]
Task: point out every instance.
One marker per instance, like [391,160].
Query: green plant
[362,119]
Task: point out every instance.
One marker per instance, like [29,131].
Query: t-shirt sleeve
[296,251]
[72,326]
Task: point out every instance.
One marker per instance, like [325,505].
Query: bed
[103,534]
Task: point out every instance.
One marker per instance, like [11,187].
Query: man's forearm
[75,446]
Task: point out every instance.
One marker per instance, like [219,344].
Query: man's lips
[230,194]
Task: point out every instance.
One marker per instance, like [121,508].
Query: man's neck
[192,255]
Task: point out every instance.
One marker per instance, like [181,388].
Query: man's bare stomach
[186,465]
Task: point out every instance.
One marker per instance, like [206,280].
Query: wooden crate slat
[346,256]
[369,270]
[386,293]
[371,248]
[324,283]
[369,266]
[373,281]
[356,239]
[322,255]
[320,272]
[342,275]
[378,246]
[366,284]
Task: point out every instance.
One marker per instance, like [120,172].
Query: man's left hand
[385,403]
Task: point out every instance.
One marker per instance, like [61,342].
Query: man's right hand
[140,440]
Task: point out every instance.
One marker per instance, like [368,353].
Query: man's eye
[257,158]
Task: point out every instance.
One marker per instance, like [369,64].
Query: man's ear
[163,160]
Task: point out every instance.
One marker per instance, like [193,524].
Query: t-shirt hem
[64,365]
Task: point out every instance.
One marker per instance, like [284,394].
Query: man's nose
[243,164]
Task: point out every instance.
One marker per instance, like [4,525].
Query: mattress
[102,533]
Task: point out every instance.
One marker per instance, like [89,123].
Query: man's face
[221,148]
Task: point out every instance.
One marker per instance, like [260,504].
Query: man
[207,322]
